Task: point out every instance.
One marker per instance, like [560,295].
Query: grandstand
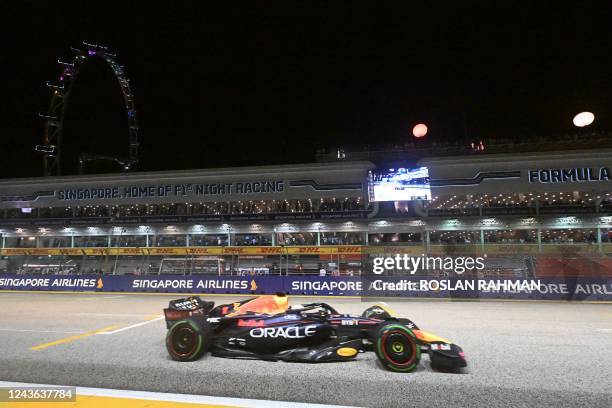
[533,213]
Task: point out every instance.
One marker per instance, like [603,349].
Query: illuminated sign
[403,184]
[570,175]
[170,190]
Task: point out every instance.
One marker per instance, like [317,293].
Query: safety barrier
[578,249]
[372,286]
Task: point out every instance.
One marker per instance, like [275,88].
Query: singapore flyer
[56,113]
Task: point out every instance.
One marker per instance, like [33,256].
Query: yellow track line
[73,338]
[101,397]
[86,401]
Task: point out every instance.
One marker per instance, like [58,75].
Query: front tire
[188,340]
[397,348]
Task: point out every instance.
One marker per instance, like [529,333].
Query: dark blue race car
[267,328]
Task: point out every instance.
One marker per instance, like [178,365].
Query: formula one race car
[267,328]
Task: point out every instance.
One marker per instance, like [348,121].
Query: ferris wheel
[54,117]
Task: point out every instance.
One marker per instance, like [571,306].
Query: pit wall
[500,261]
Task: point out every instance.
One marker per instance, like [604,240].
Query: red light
[419,130]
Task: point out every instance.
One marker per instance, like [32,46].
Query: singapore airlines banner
[381,286]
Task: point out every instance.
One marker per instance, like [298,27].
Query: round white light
[419,130]
[583,119]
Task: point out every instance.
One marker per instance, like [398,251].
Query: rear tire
[188,340]
[397,348]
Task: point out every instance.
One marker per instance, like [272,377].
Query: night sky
[266,82]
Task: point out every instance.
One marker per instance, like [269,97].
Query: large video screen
[402,184]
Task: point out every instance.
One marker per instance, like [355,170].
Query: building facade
[532,214]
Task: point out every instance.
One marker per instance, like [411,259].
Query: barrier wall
[416,249]
[372,286]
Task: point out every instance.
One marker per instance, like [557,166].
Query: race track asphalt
[520,354]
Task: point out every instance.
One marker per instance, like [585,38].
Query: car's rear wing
[180,309]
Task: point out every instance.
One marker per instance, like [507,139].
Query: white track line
[131,326]
[193,399]
[114,314]
[96,298]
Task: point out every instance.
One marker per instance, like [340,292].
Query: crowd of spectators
[454,237]
[395,238]
[181,209]
[252,239]
[510,237]
[342,238]
[94,241]
[296,238]
[568,236]
[208,240]
[518,204]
